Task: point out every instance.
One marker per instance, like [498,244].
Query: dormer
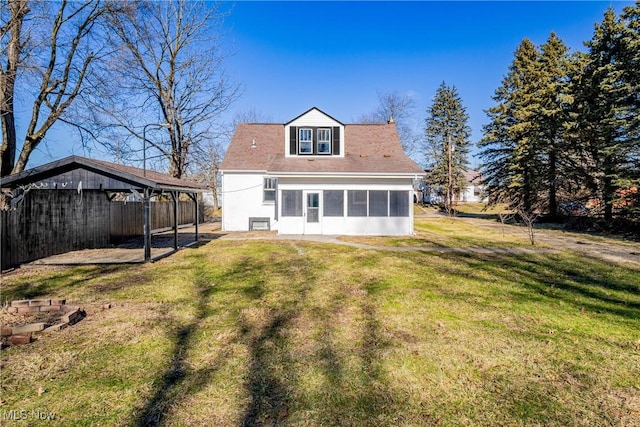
[314,134]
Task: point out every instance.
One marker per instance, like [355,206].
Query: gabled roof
[308,111]
[131,176]
[369,149]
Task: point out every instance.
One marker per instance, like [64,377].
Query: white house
[316,175]
[474,191]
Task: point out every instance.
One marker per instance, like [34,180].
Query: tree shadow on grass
[270,376]
[58,283]
[584,284]
[355,390]
[177,377]
[271,379]
[270,372]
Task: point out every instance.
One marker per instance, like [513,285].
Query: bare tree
[50,57]
[397,108]
[172,77]
[529,218]
[205,167]
[207,156]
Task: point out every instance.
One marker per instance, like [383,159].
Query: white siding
[243,194]
[242,198]
[314,118]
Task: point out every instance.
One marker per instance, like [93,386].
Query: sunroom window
[291,202]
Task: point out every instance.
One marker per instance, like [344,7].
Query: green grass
[299,333]
[433,233]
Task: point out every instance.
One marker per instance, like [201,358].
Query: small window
[270,185]
[324,141]
[357,203]
[305,141]
[291,202]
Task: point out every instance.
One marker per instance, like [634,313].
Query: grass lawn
[300,333]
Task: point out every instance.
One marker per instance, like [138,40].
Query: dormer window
[324,141]
[314,141]
[305,140]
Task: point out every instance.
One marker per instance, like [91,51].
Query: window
[333,203]
[291,202]
[378,205]
[305,141]
[324,141]
[357,202]
[398,203]
[313,207]
[270,185]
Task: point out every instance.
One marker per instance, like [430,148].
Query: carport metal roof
[81,173]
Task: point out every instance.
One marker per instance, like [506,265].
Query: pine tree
[510,148]
[606,110]
[555,101]
[447,142]
[631,66]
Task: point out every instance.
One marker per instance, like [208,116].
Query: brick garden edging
[22,334]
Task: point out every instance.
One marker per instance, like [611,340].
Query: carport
[64,206]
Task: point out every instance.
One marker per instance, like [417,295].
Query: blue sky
[291,56]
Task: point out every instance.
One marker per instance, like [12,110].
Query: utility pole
[449,177]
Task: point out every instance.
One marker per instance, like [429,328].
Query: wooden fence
[46,223]
[127,218]
[49,222]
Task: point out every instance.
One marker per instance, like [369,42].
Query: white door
[312,215]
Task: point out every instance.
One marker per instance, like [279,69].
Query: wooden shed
[70,204]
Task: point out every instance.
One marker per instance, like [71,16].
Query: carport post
[195,200]
[174,195]
[147,225]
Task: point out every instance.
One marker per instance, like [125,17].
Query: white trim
[344,175]
[327,174]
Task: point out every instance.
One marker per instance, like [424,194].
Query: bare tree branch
[59,69]
[172,68]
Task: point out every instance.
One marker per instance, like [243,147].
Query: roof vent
[391,121]
[253,144]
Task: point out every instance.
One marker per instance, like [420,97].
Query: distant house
[316,175]
[472,192]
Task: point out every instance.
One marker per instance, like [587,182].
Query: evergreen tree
[510,148]
[631,66]
[447,142]
[555,101]
[605,109]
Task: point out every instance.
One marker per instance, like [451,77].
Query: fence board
[127,218]
[46,223]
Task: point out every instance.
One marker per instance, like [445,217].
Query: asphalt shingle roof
[369,148]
